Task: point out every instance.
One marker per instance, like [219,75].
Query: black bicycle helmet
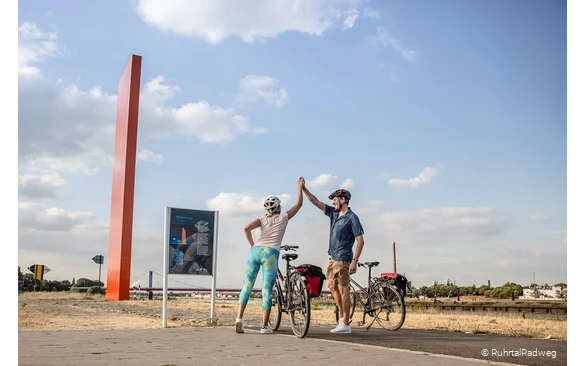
[340,193]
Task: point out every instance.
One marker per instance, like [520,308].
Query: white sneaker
[239,326]
[335,329]
[341,321]
[341,328]
[266,330]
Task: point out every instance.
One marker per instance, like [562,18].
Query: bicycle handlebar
[289,247]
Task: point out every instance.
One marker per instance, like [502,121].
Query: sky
[447,121]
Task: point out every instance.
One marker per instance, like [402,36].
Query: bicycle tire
[276,310]
[299,294]
[384,295]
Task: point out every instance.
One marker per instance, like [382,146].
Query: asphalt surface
[223,346]
[499,348]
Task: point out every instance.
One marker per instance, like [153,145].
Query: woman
[264,253]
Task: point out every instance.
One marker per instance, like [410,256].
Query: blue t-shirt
[342,233]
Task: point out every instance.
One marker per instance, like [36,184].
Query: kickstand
[372,322]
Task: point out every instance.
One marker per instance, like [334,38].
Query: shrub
[95,290]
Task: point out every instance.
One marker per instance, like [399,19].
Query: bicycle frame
[369,298]
[283,287]
[367,305]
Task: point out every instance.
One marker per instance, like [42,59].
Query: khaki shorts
[338,272]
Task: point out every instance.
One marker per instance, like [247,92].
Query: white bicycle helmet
[272,204]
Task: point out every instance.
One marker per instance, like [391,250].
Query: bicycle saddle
[371,264]
[290,256]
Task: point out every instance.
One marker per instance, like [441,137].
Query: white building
[544,292]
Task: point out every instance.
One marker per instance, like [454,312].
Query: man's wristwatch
[355,259]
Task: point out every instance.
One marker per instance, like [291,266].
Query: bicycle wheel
[276,310]
[298,305]
[389,307]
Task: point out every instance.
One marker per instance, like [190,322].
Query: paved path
[222,346]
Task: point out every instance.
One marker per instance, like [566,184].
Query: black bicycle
[290,295]
[381,300]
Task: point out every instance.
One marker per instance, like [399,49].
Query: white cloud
[35,46]
[321,180]
[37,217]
[538,217]
[350,18]
[237,204]
[373,206]
[63,128]
[39,186]
[254,88]
[198,119]
[386,39]
[431,250]
[69,253]
[424,177]
[347,184]
[446,223]
[371,13]
[149,156]
[252,20]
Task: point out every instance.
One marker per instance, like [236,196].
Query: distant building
[545,292]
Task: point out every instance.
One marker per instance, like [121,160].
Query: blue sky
[446,120]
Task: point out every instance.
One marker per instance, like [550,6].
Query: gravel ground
[54,314]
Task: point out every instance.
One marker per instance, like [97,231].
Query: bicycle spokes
[388,306]
[299,307]
[276,310]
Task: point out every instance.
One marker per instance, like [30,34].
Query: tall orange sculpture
[122,208]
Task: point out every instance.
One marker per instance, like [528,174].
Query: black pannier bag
[397,280]
[314,276]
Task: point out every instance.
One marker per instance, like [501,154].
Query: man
[345,228]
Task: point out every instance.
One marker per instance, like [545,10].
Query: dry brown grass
[50,311]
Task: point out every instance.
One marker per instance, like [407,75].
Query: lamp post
[99,259]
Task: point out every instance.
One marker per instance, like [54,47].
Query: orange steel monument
[122,208]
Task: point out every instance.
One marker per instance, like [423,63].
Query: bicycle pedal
[360,324]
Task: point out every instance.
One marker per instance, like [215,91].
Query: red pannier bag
[314,277]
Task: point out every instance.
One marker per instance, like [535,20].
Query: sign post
[17,278]
[99,259]
[190,248]
[38,271]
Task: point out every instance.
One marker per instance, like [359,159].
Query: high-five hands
[301,183]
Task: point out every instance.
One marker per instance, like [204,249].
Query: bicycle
[291,295]
[381,300]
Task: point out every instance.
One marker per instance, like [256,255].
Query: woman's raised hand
[301,182]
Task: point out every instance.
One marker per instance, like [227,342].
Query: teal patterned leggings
[267,258]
